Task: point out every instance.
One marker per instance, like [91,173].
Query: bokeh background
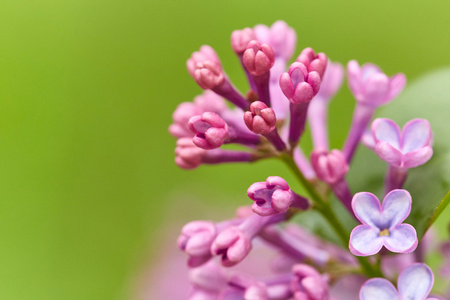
[89,192]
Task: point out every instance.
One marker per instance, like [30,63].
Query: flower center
[384,232]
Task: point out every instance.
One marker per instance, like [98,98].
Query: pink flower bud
[210,130]
[196,239]
[258,59]
[330,167]
[241,38]
[370,86]
[271,197]
[206,53]
[208,75]
[233,245]
[313,62]
[308,284]
[188,155]
[299,85]
[260,119]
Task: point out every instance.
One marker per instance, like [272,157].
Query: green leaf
[428,98]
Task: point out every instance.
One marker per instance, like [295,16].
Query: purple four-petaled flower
[414,283]
[382,224]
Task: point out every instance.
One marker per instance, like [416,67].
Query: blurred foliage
[87,89]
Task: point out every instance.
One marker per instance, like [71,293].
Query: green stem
[325,209]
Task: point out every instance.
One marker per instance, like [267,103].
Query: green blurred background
[88,186]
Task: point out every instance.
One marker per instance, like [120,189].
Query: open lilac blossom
[274,196]
[371,89]
[407,148]
[308,284]
[382,224]
[402,149]
[414,283]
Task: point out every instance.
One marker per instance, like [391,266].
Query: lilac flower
[407,148]
[210,130]
[258,58]
[371,86]
[414,283]
[274,196]
[382,224]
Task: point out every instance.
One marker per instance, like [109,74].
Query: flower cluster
[268,121]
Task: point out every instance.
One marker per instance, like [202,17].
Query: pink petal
[364,240]
[415,282]
[367,208]
[389,154]
[378,289]
[416,134]
[376,89]
[396,207]
[402,239]
[396,85]
[417,157]
[386,130]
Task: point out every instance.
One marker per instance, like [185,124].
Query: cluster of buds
[268,121]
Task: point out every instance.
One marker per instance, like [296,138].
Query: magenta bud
[370,86]
[299,85]
[233,245]
[210,130]
[208,75]
[206,53]
[258,59]
[241,38]
[313,62]
[271,197]
[196,239]
[260,119]
[188,155]
[330,167]
[308,284]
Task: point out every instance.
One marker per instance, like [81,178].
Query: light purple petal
[388,153]
[402,239]
[415,282]
[366,207]
[376,89]
[386,130]
[396,83]
[416,134]
[378,289]
[396,208]
[355,79]
[364,240]
[417,157]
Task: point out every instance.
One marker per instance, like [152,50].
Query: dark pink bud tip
[241,38]
[210,130]
[258,59]
[208,75]
[313,62]
[260,119]
[330,167]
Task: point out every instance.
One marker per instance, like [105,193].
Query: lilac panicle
[318,108]
[414,283]
[274,197]
[262,120]
[382,224]
[331,167]
[371,88]
[210,130]
[308,284]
